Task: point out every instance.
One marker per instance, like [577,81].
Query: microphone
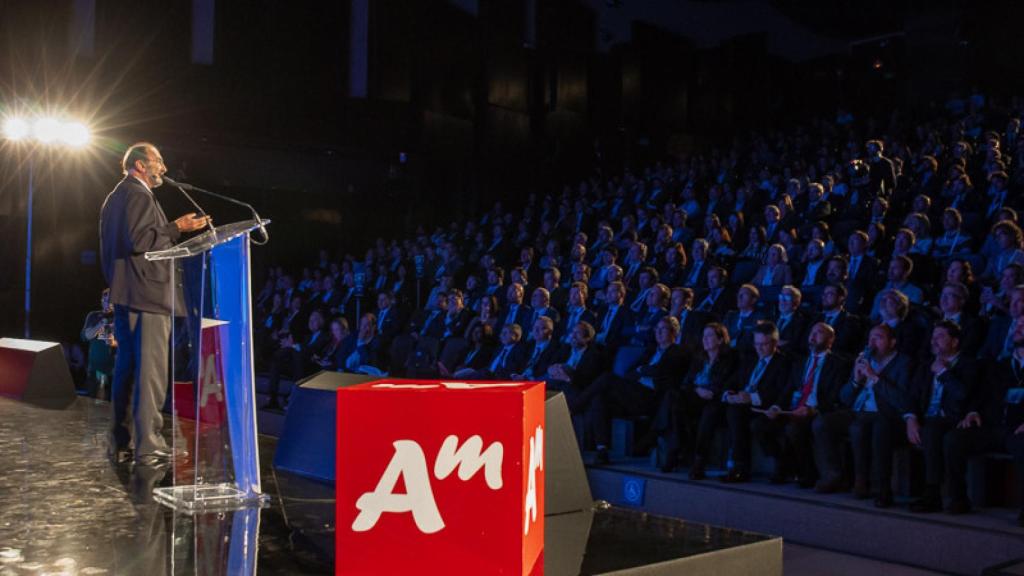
[189,187]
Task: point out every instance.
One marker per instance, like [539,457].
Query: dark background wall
[487,99]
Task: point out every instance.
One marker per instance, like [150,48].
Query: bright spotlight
[75,134]
[47,130]
[16,129]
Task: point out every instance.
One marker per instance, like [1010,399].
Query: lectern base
[207,498]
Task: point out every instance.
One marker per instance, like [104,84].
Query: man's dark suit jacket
[587,369]
[392,324]
[995,337]
[515,362]
[131,224]
[551,354]
[619,330]
[522,317]
[564,326]
[850,332]
[794,333]
[889,390]
[740,329]
[997,411]
[665,373]
[368,353]
[773,380]
[962,390]
[833,375]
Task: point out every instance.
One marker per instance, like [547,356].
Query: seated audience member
[999,337]
[847,326]
[639,392]
[544,350]
[557,295]
[894,311]
[457,317]
[695,407]
[580,365]
[389,319]
[761,378]
[775,271]
[899,272]
[540,301]
[871,399]
[429,322]
[813,273]
[716,300]
[691,322]
[812,389]
[1010,244]
[576,312]
[508,359]
[695,275]
[740,321]
[646,279]
[862,271]
[655,309]
[515,311]
[478,355]
[361,350]
[615,319]
[942,396]
[791,321]
[339,332]
[952,301]
[294,358]
[996,427]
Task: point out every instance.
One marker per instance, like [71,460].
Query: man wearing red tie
[785,433]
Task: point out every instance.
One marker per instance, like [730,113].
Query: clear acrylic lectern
[213,406]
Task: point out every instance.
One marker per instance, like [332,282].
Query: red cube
[440,478]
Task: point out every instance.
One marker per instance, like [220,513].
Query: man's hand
[773,412]
[704,393]
[914,431]
[190,222]
[972,420]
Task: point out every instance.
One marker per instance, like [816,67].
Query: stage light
[46,130]
[75,134]
[16,129]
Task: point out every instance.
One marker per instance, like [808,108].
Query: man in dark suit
[791,321]
[544,350]
[540,302]
[761,380]
[515,311]
[944,394]
[576,312]
[580,365]
[952,301]
[742,320]
[870,399]
[653,311]
[558,295]
[616,319]
[863,271]
[998,427]
[457,317]
[999,338]
[812,389]
[362,348]
[639,392]
[814,270]
[717,299]
[296,355]
[848,327]
[510,358]
[389,319]
[131,224]
[691,322]
[429,322]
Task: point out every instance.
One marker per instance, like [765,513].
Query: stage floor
[64,509]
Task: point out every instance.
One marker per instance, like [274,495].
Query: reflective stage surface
[64,509]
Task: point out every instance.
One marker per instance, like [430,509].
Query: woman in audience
[775,271]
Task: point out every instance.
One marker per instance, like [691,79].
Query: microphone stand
[183,187]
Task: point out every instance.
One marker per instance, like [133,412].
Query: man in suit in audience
[847,326]
[515,312]
[762,378]
[791,321]
[952,300]
[741,321]
[695,274]
[945,394]
[655,309]
[580,365]
[999,337]
[510,358]
[691,322]
[814,269]
[543,351]
[870,414]
[295,356]
[862,270]
[717,299]
[457,316]
[558,295]
[389,319]
[785,433]
[429,322]
[997,427]
[615,320]
[540,301]
[576,311]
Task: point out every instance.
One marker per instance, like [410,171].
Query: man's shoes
[736,477]
[860,488]
[601,458]
[884,499]
[926,505]
[959,506]
[155,458]
[697,469]
[828,486]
